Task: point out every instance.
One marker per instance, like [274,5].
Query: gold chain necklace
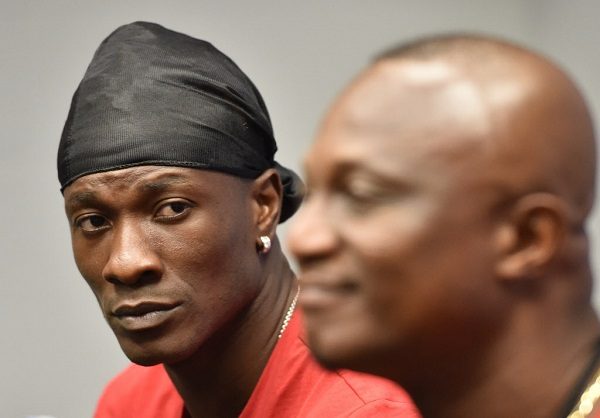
[288,314]
[588,398]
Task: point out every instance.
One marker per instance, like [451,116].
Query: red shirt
[291,385]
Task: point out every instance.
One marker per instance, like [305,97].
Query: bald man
[443,242]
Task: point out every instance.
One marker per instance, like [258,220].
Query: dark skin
[170,254]
[442,244]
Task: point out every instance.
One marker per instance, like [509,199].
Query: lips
[319,292]
[138,316]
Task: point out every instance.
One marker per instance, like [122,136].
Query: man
[443,242]
[173,198]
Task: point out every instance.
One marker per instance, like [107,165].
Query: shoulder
[312,391]
[378,397]
[345,393]
[144,392]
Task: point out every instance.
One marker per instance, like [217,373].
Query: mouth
[321,294]
[141,316]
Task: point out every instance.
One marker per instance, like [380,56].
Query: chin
[154,351]
[329,362]
[142,360]
[336,353]
[148,357]
[364,354]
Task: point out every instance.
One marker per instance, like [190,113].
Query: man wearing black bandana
[443,243]
[173,198]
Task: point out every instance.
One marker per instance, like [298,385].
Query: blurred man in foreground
[443,242]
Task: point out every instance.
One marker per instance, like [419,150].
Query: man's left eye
[92,223]
[172,209]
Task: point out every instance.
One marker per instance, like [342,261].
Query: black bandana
[152,96]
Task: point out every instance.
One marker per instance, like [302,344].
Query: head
[448,188]
[167,167]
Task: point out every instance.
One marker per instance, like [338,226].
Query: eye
[92,223]
[362,194]
[173,209]
[359,193]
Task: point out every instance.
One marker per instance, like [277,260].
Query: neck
[218,380]
[528,372]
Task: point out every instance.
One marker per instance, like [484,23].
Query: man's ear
[267,195]
[531,236]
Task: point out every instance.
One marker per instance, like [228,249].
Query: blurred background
[57,353]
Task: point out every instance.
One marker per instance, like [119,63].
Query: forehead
[147,180]
[404,114]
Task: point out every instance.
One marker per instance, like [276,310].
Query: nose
[132,258]
[311,235]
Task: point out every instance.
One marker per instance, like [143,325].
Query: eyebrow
[90,197]
[163,183]
[86,198]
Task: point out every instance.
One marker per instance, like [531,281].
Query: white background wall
[56,352]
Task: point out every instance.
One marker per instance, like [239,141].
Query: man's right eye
[92,223]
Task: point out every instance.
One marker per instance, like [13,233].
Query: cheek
[389,242]
[427,280]
[408,261]
[214,258]
[90,261]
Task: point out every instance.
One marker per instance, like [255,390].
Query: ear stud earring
[264,244]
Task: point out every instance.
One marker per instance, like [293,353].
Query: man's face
[168,252]
[393,241]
